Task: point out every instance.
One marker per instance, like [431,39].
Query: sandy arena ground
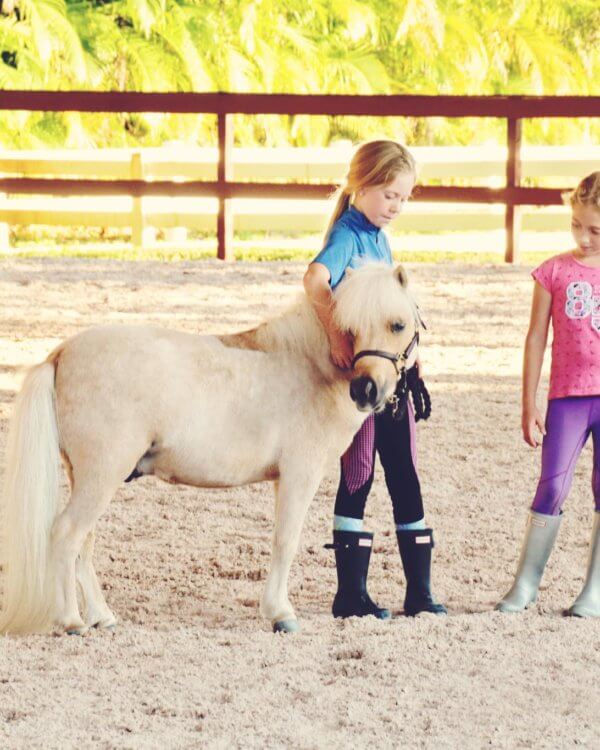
[192,664]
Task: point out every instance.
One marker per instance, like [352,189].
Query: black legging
[392,441]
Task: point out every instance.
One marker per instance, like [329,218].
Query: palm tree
[325,46]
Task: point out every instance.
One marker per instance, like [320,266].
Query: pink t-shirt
[575,290]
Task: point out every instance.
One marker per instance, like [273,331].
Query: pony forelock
[370,296]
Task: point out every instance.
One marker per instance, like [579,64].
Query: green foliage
[325,46]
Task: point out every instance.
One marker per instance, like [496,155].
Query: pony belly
[179,475]
[206,469]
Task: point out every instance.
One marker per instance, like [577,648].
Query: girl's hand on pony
[342,348]
[532,424]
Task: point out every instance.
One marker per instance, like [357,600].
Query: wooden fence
[142,217]
[513,109]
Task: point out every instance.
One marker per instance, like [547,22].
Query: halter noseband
[393,358]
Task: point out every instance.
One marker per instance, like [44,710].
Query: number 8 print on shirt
[575,291]
[581,302]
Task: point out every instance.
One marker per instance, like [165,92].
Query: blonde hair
[374,163]
[587,193]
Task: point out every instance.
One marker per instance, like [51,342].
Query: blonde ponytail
[342,201]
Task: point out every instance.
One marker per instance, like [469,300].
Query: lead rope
[411,383]
[421,400]
[420,394]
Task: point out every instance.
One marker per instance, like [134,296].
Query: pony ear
[401,275]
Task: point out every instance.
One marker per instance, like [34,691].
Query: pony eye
[397,327]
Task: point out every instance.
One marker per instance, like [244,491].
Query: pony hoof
[286,626]
[76,631]
[109,625]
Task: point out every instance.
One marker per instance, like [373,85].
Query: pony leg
[66,541]
[98,614]
[292,498]
[70,530]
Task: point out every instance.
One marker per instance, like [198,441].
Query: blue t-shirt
[353,241]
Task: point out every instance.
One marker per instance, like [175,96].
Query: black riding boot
[415,551]
[352,554]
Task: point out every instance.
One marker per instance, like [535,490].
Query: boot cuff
[417,536]
[347,539]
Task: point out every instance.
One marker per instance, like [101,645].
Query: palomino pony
[208,411]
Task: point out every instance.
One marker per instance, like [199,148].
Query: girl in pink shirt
[567,291]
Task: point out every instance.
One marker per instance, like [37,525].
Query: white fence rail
[559,166]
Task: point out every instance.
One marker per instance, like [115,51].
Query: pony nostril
[363,391]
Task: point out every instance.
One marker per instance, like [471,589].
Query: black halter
[393,358]
[397,400]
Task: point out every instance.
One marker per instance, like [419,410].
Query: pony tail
[29,505]
[341,204]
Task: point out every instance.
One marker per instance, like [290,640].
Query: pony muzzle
[364,393]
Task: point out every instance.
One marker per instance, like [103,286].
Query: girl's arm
[535,346]
[318,291]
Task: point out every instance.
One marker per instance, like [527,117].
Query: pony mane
[369,295]
[367,298]
[297,331]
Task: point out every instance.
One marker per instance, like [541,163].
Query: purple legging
[569,422]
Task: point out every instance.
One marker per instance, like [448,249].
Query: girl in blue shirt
[380,180]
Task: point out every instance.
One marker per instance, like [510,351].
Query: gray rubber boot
[587,603]
[539,539]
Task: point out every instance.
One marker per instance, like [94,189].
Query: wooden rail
[511,108]
[175,162]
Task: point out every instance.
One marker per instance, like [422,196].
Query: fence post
[4,245]
[140,233]
[225,173]
[513,179]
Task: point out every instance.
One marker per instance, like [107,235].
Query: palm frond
[423,19]
[178,34]
[361,21]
